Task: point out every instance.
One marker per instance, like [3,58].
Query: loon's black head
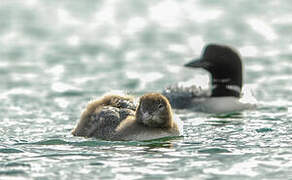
[224,64]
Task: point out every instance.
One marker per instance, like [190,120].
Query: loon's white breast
[220,104]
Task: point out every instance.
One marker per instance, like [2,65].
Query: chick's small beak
[146,115]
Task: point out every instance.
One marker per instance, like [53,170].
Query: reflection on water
[55,56]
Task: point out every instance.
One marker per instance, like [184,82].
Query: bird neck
[225,87]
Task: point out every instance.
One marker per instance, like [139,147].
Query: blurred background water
[57,55]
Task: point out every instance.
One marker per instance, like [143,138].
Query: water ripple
[58,55]
[214,150]
[10,150]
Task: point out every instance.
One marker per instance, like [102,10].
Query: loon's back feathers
[181,97]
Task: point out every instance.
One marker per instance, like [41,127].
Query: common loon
[115,118]
[225,66]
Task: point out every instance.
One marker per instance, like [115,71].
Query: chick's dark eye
[160,106]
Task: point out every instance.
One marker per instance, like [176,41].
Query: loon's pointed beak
[197,63]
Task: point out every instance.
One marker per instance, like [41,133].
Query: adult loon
[225,66]
[116,118]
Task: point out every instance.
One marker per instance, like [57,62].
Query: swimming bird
[116,118]
[102,116]
[225,66]
[153,119]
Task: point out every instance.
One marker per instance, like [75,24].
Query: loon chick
[225,66]
[153,119]
[101,117]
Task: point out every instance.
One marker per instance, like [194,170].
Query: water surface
[55,56]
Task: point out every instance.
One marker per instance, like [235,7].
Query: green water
[55,56]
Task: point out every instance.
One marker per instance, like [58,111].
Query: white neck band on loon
[224,87]
[226,80]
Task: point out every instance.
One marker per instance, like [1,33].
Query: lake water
[55,56]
